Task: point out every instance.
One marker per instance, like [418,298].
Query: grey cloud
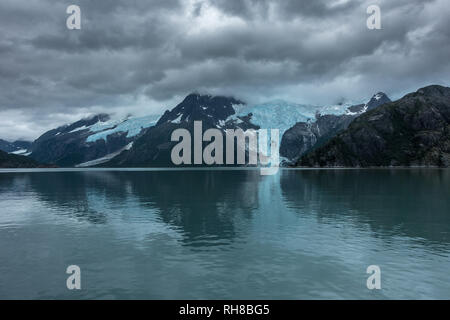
[287,9]
[130,55]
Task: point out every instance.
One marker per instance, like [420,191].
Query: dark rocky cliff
[304,137]
[412,131]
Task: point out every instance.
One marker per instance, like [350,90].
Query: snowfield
[132,126]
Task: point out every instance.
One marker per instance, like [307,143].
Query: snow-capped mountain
[214,110]
[89,139]
[9,160]
[153,148]
[377,100]
[410,132]
[304,136]
[146,140]
[16,147]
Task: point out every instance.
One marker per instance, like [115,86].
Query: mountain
[89,139]
[210,109]
[15,161]
[412,131]
[307,135]
[304,136]
[153,148]
[7,146]
[377,100]
[17,147]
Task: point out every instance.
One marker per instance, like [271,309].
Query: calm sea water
[300,234]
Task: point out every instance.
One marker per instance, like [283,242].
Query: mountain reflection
[220,234]
[211,207]
[413,203]
[202,204]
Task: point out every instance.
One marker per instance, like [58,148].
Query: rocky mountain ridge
[412,131]
[308,135]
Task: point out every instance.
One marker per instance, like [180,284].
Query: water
[212,234]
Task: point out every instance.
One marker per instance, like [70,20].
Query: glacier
[133,126]
[282,115]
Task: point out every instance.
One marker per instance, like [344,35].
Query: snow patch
[104,158]
[133,126]
[378,96]
[178,119]
[78,129]
[20,152]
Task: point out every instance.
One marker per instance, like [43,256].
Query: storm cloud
[143,56]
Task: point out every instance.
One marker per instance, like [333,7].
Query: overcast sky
[144,56]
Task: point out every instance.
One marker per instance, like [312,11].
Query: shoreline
[143,169]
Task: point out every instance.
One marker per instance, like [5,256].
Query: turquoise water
[225,234]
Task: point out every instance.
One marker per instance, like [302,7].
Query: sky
[142,57]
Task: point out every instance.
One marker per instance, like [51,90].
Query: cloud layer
[143,56]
